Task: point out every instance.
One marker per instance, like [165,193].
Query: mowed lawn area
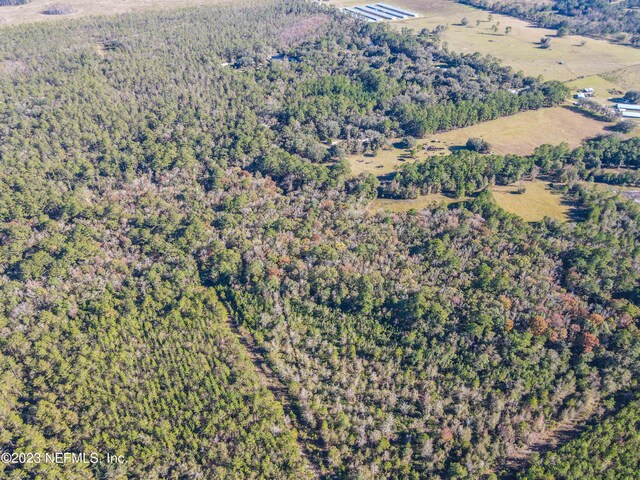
[539,200]
[519,134]
[568,58]
[32,12]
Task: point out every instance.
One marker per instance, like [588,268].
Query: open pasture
[567,58]
[606,89]
[521,133]
[627,78]
[33,11]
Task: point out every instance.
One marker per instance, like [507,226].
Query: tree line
[468,171]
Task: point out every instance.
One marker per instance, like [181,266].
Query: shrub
[632,96]
[625,126]
[408,142]
[479,145]
[58,9]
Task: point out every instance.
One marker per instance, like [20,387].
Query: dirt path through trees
[271,381]
[561,433]
[550,439]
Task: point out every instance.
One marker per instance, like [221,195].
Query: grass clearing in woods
[518,134]
[539,200]
[521,133]
[381,164]
[404,205]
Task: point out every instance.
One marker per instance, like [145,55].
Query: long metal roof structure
[362,14]
[375,12]
[396,9]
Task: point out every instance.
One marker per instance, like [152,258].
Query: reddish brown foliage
[589,341]
[446,435]
[506,302]
[538,325]
[274,272]
[285,260]
[596,319]
[301,30]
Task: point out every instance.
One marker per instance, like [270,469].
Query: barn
[380,12]
[628,106]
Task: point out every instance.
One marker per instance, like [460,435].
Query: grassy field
[522,133]
[383,163]
[627,78]
[519,134]
[605,88]
[568,58]
[627,192]
[32,12]
[404,205]
[539,200]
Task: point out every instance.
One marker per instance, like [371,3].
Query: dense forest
[618,21]
[165,185]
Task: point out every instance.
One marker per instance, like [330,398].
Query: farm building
[375,13]
[585,93]
[395,15]
[396,9]
[627,106]
[631,113]
[365,15]
[379,12]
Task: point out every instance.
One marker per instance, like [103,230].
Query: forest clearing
[406,204]
[518,134]
[540,199]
